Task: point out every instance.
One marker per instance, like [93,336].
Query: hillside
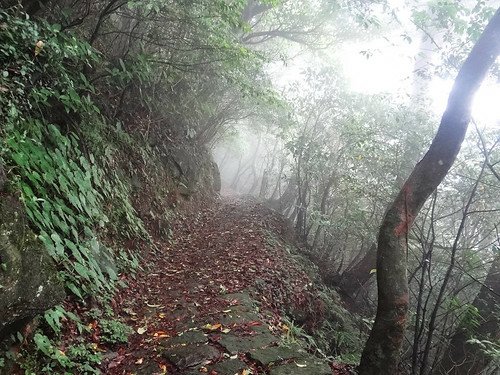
[249,187]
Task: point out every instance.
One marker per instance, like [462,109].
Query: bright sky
[390,69]
[486,107]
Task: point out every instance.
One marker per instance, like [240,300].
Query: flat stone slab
[147,369]
[238,317]
[310,366]
[189,337]
[262,328]
[275,354]
[190,355]
[229,367]
[236,344]
[243,299]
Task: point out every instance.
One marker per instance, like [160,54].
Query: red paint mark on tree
[404,208]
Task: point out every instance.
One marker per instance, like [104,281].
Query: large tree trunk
[465,358]
[381,352]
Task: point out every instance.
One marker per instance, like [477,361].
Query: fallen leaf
[161,334]
[139,361]
[38,47]
[212,327]
[129,311]
[163,368]
[142,330]
[225,330]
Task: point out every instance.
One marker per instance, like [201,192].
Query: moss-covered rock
[194,169]
[28,278]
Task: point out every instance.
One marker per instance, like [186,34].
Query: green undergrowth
[70,194]
[70,166]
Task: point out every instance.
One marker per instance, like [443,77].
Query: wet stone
[238,317]
[237,344]
[263,328]
[310,366]
[243,299]
[276,354]
[147,369]
[189,337]
[190,355]
[229,367]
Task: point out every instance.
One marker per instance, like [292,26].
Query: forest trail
[208,301]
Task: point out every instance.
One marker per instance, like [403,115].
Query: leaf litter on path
[221,250]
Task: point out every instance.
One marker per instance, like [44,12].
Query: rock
[184,168]
[229,367]
[310,366]
[238,316]
[147,369]
[263,328]
[189,337]
[190,355]
[243,309]
[276,354]
[236,344]
[243,299]
[29,282]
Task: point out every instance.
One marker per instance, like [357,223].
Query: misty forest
[250,187]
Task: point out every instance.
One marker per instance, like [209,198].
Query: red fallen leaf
[161,334]
[254,323]
[116,362]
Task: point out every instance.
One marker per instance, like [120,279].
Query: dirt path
[209,302]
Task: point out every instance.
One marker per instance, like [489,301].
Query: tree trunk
[353,279]
[3,178]
[264,185]
[286,200]
[381,352]
[465,358]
